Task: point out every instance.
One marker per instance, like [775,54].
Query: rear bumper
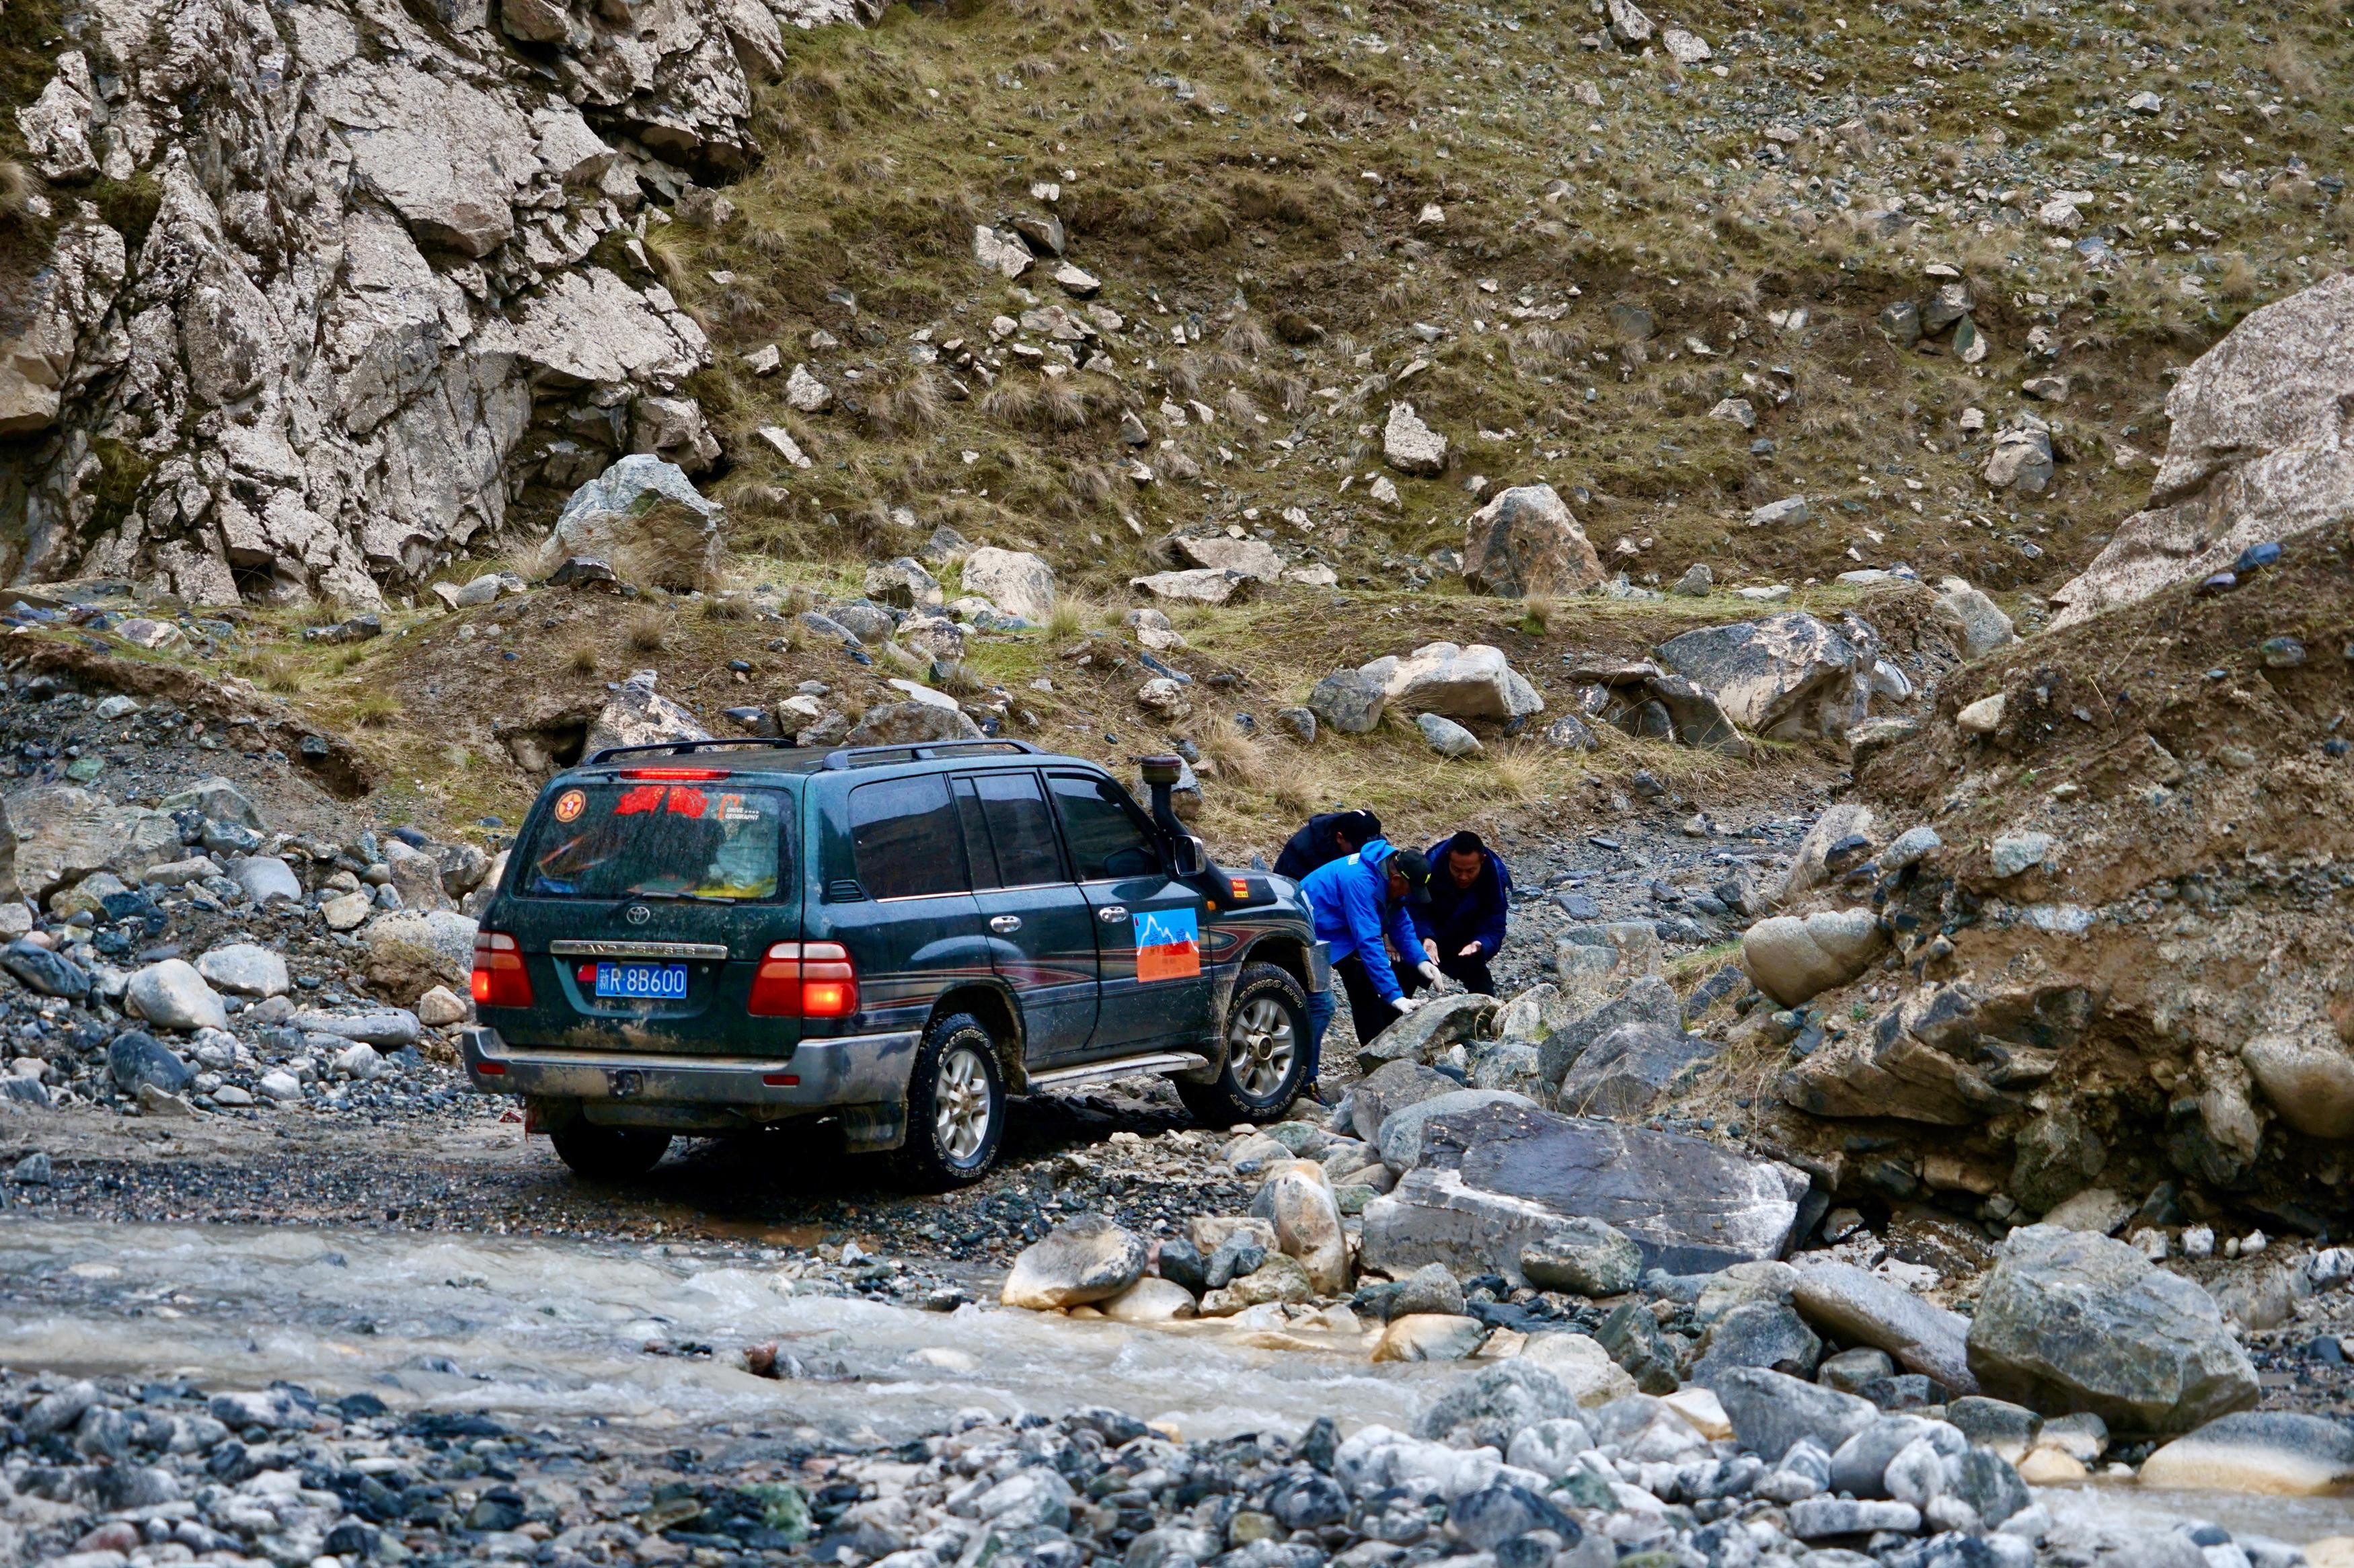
[861,1069]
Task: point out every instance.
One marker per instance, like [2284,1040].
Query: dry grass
[723,607]
[2288,65]
[1231,755]
[647,632]
[583,659]
[376,710]
[16,191]
[2238,281]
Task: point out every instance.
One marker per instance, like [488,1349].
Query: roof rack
[607,754]
[843,756]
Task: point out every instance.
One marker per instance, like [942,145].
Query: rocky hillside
[305,304]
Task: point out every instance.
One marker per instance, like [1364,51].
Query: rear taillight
[500,978]
[805,979]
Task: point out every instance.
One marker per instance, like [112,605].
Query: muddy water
[558,1329]
[561,1331]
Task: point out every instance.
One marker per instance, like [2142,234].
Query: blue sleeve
[1362,909]
[1491,929]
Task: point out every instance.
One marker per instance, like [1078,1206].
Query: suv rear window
[627,838]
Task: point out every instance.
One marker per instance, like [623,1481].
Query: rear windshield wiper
[668,897]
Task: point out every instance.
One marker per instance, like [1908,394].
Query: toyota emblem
[638,915]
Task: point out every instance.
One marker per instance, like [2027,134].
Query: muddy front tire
[1267,1054]
[956,1107]
[608,1153]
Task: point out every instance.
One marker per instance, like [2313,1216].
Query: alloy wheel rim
[1259,1046]
[963,1106]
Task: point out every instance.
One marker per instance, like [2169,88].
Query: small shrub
[648,631]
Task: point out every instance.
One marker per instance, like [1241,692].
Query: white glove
[1430,972]
[1405,1004]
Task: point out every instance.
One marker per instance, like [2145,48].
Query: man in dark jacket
[1328,837]
[1462,927]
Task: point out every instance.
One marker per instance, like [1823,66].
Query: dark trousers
[1367,1010]
[1473,971]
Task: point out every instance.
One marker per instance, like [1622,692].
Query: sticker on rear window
[570,804]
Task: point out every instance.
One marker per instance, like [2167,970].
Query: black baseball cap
[1415,869]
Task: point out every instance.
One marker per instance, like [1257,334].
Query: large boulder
[1495,1178]
[51,836]
[1624,1075]
[1390,1089]
[1526,542]
[1085,1259]
[1297,1201]
[172,995]
[1792,958]
[910,724]
[1977,620]
[1458,683]
[1202,585]
[637,715]
[1015,581]
[246,969]
[2069,1321]
[1844,829]
[1788,676]
[645,516]
[1647,1000]
[2255,450]
[904,583]
[1253,558]
[411,952]
[1860,1308]
[219,800]
[1770,1411]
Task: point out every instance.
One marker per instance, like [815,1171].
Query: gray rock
[415,877]
[53,835]
[1630,1336]
[2068,1321]
[1851,1371]
[1526,542]
[1390,1088]
[1471,681]
[1348,701]
[1860,1464]
[1301,723]
[1447,738]
[51,974]
[1757,1334]
[245,968]
[1487,1180]
[135,1058]
[1428,1031]
[1015,581]
[1789,677]
[2011,853]
[1648,1001]
[267,879]
[172,995]
[1569,733]
[865,623]
[2253,453]
[218,799]
[1995,1424]
[1430,1289]
[645,515]
[2275,1452]
[1791,509]
[903,584]
[1487,1408]
[1769,1412]
[1792,958]
[1204,585]
[1628,1070]
[1085,1259]
[1817,1518]
[280,1086]
[409,953]
[1401,1140]
[1975,619]
[2022,458]
[906,724]
[1862,1308]
[636,714]
[1585,1256]
[390,1027]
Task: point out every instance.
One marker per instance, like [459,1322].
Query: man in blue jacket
[1356,903]
[1461,926]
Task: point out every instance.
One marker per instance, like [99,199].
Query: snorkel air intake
[1191,856]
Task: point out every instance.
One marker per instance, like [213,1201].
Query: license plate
[641,982]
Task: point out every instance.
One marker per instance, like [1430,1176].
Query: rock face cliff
[386,273]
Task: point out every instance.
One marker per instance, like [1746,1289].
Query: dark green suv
[717,935]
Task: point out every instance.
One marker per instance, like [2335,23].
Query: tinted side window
[1108,835]
[976,836]
[904,833]
[1020,828]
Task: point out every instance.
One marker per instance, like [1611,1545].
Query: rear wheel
[956,1106]
[1267,1054]
[608,1153]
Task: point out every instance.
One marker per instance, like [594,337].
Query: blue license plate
[641,982]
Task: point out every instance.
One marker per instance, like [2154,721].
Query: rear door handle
[1112,914]
[1005,924]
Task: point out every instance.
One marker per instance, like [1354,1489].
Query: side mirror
[1192,857]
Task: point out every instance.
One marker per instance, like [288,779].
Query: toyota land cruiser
[712,936]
